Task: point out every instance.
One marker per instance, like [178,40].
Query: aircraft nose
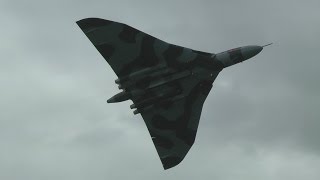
[250,51]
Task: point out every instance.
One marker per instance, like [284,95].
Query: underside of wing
[167,83]
[128,50]
[173,123]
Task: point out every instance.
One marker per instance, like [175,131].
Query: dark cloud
[260,120]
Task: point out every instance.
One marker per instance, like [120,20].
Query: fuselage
[160,75]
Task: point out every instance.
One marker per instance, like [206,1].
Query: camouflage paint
[168,84]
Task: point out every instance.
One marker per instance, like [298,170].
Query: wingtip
[92,22]
[170,162]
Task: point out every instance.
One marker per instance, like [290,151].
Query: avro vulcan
[168,84]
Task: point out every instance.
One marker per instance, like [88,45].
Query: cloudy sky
[260,121]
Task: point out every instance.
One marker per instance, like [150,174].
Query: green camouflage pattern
[168,84]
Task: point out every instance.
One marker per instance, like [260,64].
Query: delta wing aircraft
[168,84]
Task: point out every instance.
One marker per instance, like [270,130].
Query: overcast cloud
[260,121]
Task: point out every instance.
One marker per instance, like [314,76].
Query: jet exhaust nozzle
[122,96]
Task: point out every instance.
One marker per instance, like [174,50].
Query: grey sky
[260,121]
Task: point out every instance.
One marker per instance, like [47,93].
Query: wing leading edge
[128,50]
